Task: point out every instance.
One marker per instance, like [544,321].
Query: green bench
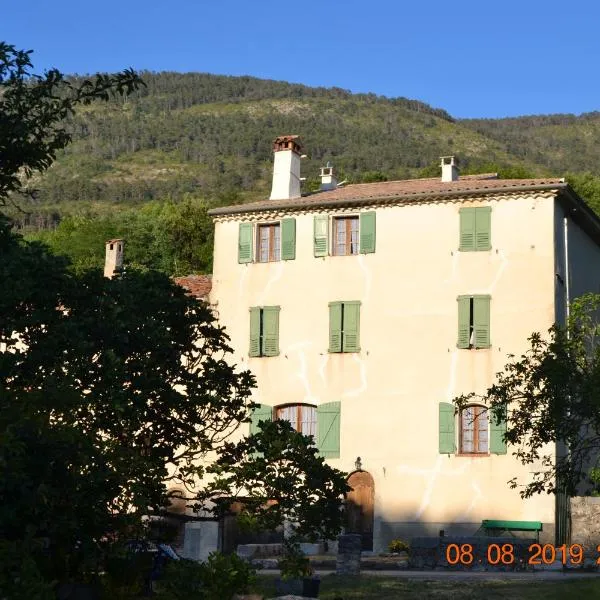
[497,527]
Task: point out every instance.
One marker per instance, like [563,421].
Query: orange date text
[504,554]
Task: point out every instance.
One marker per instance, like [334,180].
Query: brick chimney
[286,168]
[113,262]
[328,178]
[449,168]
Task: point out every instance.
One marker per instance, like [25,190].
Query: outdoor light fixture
[358,464]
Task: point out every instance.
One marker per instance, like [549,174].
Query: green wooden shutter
[467,229]
[447,435]
[481,321]
[464,321]
[270,337]
[254,332]
[245,243]
[351,327]
[263,412]
[367,232]
[483,223]
[335,327]
[321,225]
[288,239]
[328,429]
[497,431]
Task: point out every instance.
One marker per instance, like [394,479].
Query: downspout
[567,283]
[563,526]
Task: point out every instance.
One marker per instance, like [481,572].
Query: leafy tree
[551,394]
[281,480]
[111,389]
[33,109]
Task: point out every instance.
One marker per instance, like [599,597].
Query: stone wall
[585,525]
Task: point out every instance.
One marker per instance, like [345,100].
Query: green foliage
[594,477]
[33,110]
[20,576]
[398,545]
[219,578]
[281,465]
[103,385]
[294,564]
[551,394]
[175,238]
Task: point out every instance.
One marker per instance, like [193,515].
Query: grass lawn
[386,588]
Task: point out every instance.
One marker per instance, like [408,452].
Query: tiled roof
[197,285]
[405,189]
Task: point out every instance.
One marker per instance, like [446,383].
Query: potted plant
[296,573]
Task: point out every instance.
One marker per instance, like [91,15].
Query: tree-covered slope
[560,143]
[205,135]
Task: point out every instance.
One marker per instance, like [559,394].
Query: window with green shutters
[351,234]
[473,321]
[322,422]
[264,331]
[344,326]
[447,428]
[328,429]
[480,430]
[274,241]
[475,229]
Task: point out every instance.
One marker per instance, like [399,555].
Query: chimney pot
[328,178]
[449,168]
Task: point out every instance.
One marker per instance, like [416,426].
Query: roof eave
[342,202]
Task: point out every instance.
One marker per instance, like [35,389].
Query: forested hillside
[147,168]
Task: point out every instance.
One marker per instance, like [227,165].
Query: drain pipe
[567,283]
[563,531]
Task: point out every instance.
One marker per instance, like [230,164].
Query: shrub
[219,578]
[398,545]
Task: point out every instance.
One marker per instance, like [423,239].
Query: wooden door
[360,507]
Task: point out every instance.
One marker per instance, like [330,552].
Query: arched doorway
[360,503]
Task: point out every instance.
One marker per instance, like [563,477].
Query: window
[303,417]
[274,241]
[264,331]
[475,229]
[345,236]
[322,422]
[473,322]
[269,242]
[480,430]
[351,235]
[474,430]
[344,326]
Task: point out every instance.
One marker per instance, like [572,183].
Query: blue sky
[474,59]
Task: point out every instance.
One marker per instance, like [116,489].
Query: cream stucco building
[364,309]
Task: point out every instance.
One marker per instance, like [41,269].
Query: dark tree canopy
[111,389]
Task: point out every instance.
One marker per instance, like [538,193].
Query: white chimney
[449,168]
[328,178]
[113,262]
[286,168]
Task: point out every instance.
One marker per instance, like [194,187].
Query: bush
[219,578]
[398,545]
